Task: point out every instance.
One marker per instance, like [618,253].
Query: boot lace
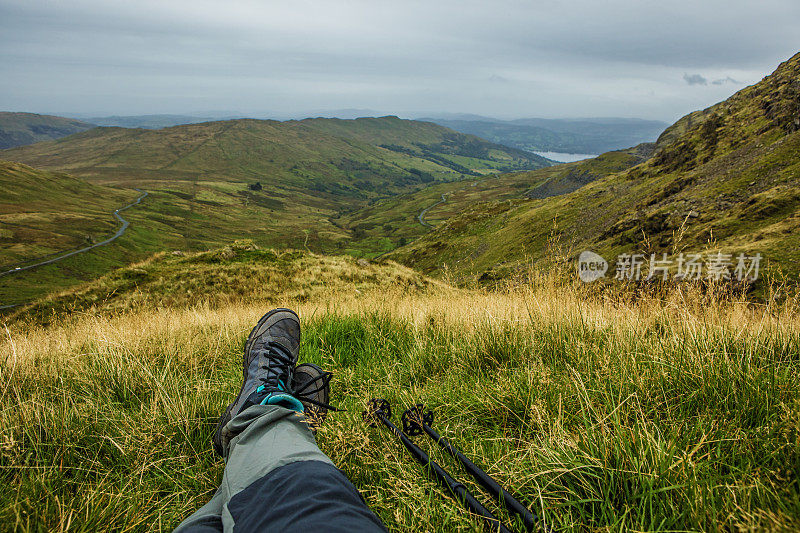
[278,376]
[306,392]
[277,366]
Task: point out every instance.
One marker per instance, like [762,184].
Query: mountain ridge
[260,143]
[19,128]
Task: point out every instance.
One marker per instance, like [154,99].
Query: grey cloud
[723,81]
[510,58]
[695,79]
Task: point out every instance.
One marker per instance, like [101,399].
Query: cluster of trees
[424,177]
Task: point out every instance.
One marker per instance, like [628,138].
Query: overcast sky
[634,58]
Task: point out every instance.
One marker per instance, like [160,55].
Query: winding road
[118,234]
[421,216]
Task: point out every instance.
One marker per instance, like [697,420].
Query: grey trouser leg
[269,436]
[256,486]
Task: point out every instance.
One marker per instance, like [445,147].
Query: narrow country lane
[118,234]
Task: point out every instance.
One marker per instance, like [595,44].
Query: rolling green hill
[283,179]
[46,212]
[341,157]
[234,273]
[724,178]
[276,182]
[385,224]
[17,129]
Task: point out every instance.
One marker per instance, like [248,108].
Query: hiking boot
[270,354]
[311,385]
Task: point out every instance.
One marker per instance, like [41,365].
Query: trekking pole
[380,410]
[415,422]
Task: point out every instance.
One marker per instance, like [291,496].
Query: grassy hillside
[46,212]
[307,170]
[725,178]
[174,221]
[355,158]
[17,129]
[239,272]
[599,411]
[570,177]
[465,153]
[385,224]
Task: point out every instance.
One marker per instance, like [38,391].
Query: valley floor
[666,414]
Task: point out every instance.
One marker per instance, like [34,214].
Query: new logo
[591,266]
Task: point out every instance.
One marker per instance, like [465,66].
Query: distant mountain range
[158,121]
[150,122]
[577,136]
[584,136]
[20,129]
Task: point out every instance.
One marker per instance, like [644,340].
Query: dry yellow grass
[545,300]
[600,411]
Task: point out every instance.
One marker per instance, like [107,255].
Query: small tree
[255,186]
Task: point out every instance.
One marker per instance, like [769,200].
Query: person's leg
[207,519]
[303,496]
[276,478]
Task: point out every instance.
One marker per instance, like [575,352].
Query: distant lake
[562,157]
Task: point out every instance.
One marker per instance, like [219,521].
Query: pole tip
[414,417]
[375,408]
